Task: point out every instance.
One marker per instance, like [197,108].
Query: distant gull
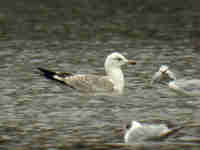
[139,132]
[113,81]
[187,87]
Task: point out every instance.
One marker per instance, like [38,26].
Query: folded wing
[85,83]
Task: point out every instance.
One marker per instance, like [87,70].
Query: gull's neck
[172,76]
[117,77]
[169,81]
[126,137]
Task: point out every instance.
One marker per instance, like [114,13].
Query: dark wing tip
[47,73]
[50,75]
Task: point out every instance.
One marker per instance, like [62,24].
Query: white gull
[140,132]
[113,81]
[188,87]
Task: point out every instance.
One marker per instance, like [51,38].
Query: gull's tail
[172,131]
[58,76]
[48,73]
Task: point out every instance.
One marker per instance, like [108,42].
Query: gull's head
[163,69]
[129,128]
[134,125]
[116,60]
[163,74]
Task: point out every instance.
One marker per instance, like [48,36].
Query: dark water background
[76,36]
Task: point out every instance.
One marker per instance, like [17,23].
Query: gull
[113,81]
[183,86]
[140,132]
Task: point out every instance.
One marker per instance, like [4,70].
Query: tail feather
[165,135]
[171,132]
[57,76]
[48,73]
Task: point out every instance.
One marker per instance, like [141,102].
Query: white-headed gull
[187,87]
[113,81]
[140,132]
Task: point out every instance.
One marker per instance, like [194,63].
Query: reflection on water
[36,112]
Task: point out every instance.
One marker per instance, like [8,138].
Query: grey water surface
[36,112]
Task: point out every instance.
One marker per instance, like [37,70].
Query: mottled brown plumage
[113,81]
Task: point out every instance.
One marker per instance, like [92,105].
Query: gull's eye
[119,59]
[164,72]
[128,126]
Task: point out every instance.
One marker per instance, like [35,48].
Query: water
[36,112]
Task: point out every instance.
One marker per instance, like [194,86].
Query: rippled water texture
[39,113]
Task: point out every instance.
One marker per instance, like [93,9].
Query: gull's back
[147,132]
[188,87]
[90,83]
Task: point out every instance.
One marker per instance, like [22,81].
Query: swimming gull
[188,87]
[113,81]
[138,132]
